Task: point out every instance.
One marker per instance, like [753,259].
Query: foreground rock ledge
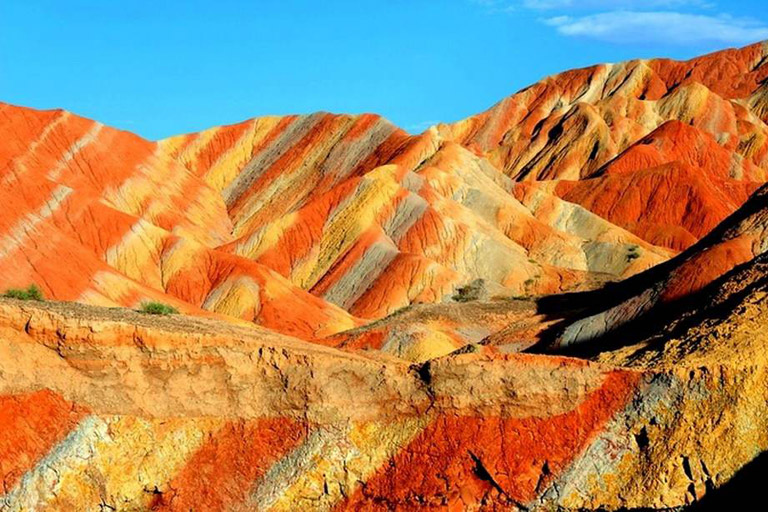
[111,409]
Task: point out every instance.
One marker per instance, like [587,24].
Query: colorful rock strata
[557,304]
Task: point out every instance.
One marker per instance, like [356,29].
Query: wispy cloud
[615,4]
[681,22]
[590,5]
[661,26]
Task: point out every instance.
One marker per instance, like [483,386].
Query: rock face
[370,219]
[107,408]
[557,304]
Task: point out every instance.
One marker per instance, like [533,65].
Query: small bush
[158,308]
[32,292]
[470,292]
[632,253]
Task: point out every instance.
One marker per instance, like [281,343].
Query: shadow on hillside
[742,492]
[566,308]
[662,322]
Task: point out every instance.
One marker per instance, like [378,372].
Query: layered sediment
[556,304]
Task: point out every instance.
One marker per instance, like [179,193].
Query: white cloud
[587,5]
[679,22]
[614,4]
[664,27]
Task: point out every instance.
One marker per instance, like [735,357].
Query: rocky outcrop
[138,412]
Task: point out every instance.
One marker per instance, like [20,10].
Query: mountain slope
[645,115]
[567,126]
[102,219]
[368,219]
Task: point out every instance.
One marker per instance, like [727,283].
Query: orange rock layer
[368,219]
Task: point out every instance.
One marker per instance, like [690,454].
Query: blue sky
[160,68]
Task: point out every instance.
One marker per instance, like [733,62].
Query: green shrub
[158,308]
[632,253]
[32,292]
[470,292]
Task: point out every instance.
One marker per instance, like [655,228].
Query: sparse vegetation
[632,253]
[32,292]
[157,308]
[470,292]
[402,310]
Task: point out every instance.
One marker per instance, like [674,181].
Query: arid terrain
[560,303]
